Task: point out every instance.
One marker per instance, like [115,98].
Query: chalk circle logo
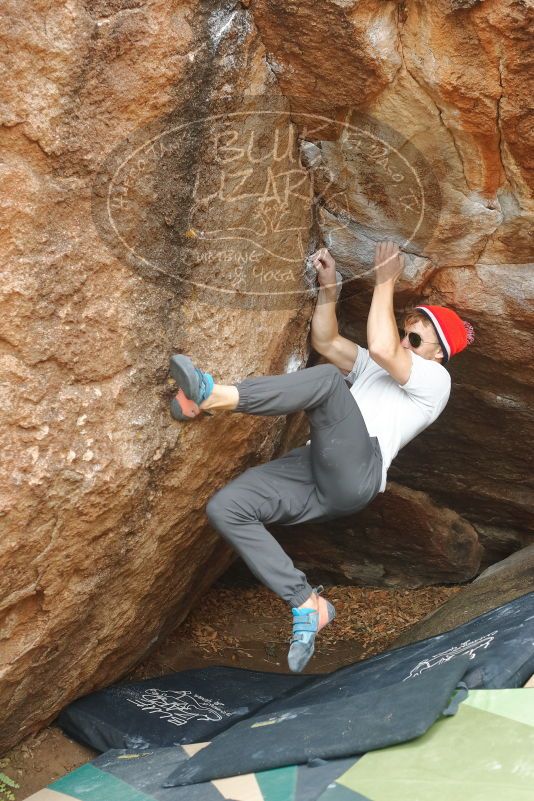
[227,206]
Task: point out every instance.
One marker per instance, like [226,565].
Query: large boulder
[105,544]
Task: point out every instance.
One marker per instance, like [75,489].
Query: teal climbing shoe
[307,622]
[194,387]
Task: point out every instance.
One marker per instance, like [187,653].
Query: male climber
[358,422]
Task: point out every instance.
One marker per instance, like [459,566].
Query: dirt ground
[243,626]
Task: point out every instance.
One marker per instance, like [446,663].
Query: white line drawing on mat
[468,647]
[179,706]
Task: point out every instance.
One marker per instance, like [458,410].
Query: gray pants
[339,473]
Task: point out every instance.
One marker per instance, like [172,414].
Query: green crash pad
[484,753]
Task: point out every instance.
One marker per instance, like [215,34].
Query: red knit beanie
[454,334]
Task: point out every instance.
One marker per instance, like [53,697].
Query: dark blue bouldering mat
[186,707]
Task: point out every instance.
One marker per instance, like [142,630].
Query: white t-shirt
[396,413]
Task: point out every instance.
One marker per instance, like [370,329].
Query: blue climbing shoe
[306,623]
[194,387]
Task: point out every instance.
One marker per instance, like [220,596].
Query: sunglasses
[416,339]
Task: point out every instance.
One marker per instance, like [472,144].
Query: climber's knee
[329,370]
[232,502]
[217,507]
[332,375]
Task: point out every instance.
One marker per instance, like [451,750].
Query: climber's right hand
[325,267]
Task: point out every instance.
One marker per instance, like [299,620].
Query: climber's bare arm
[325,336]
[382,334]
[341,352]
